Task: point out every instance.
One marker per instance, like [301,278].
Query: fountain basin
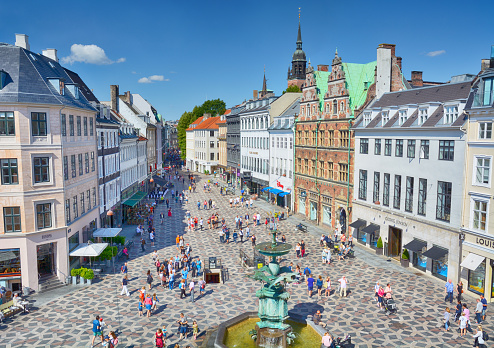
[234,333]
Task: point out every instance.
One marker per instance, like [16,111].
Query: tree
[292,89]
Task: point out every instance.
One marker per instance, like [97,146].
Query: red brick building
[324,143]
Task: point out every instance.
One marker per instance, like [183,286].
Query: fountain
[272,331]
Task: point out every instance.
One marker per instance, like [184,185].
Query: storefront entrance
[313,211]
[301,205]
[46,259]
[394,242]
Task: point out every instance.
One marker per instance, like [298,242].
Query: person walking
[302,248]
[448,290]
[149,279]
[159,339]
[466,311]
[327,285]
[124,269]
[479,337]
[191,290]
[182,322]
[446,319]
[202,287]
[478,311]
[319,284]
[458,309]
[143,242]
[310,285]
[297,250]
[182,286]
[125,282]
[195,329]
[96,330]
[463,324]
[484,306]
[148,303]
[155,301]
[151,238]
[343,286]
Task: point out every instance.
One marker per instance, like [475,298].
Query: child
[463,325]
[155,301]
[446,319]
[102,325]
[195,329]
[139,307]
[164,334]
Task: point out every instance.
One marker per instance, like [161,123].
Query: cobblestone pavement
[67,320]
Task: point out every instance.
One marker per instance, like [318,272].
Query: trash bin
[26,291]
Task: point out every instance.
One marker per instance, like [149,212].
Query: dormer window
[367,118]
[385,117]
[423,116]
[402,117]
[450,114]
[3,79]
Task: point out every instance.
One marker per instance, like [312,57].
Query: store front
[371,235]
[358,234]
[394,242]
[46,259]
[10,269]
[439,261]
[313,210]
[416,248]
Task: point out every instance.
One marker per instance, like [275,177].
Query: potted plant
[379,246]
[89,276]
[82,275]
[405,258]
[74,272]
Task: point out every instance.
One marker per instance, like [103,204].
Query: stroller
[390,306]
[345,342]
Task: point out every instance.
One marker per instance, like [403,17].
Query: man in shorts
[96,330]
[484,306]
[182,322]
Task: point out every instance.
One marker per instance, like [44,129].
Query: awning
[435,253]
[159,180]
[89,249]
[266,188]
[136,198]
[358,223]
[275,191]
[284,194]
[415,245]
[371,228]
[107,232]
[472,261]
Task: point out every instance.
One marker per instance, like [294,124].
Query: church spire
[299,36]
[299,61]
[264,91]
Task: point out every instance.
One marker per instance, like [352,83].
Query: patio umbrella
[89,250]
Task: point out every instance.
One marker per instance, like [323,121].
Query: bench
[8,309]
[302,227]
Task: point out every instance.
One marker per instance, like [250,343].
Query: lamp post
[109,214]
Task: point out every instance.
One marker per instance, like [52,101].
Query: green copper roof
[322,86]
[358,77]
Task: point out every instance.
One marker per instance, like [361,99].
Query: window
[94,197]
[399,148]
[422,196]
[446,150]
[343,169]
[211,133]
[364,146]
[479,214]
[322,137]
[78,126]
[67,211]
[362,190]
[313,167]
[211,156]
[12,219]
[299,139]
[335,107]
[385,117]
[65,168]
[81,166]
[331,138]
[451,114]
[74,206]
[367,118]
[211,144]
[41,169]
[409,194]
[387,180]
[306,140]
[88,199]
[377,147]
[64,125]
[422,116]
[397,192]
[402,117]
[443,208]
[91,126]
[314,139]
[485,130]
[85,126]
[93,166]
[38,123]
[10,174]
[330,170]
[43,215]
[482,170]
[71,125]
[7,123]
[424,149]
[72,166]
[387,147]
[375,195]
[411,148]
[344,137]
[291,143]
[486,98]
[83,207]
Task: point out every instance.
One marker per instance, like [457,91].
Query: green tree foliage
[213,107]
[292,89]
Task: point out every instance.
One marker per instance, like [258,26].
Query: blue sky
[188,51]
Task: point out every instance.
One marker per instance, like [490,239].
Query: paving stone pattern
[66,322]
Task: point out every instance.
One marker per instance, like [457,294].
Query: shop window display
[361,236]
[10,262]
[419,261]
[440,267]
[476,279]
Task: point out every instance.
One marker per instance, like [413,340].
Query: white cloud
[436,53]
[152,78]
[134,72]
[90,54]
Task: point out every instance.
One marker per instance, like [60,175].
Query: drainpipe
[317,187]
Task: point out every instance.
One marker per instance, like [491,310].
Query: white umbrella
[107,232]
[89,250]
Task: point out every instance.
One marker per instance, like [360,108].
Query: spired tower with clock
[296,75]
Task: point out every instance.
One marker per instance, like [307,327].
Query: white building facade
[408,145]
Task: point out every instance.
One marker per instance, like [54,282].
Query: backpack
[122,269]
[485,336]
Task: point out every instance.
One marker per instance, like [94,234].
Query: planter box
[82,281]
[89,281]
[405,263]
[74,280]
[379,251]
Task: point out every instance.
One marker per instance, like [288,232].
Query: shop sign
[485,242]
[396,221]
[46,236]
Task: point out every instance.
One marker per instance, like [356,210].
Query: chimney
[486,63]
[385,52]
[322,67]
[127,97]
[22,40]
[255,94]
[417,79]
[114,97]
[205,117]
[51,53]
[398,62]
[391,47]
[492,57]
